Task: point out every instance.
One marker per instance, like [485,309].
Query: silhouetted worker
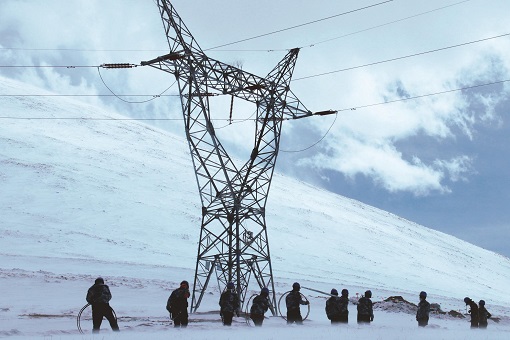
[229,304]
[259,306]
[365,308]
[422,315]
[177,305]
[293,302]
[483,315]
[337,307]
[473,311]
[99,297]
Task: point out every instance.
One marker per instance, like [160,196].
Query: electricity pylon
[233,235]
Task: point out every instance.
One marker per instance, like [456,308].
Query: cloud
[385,165]
[366,142]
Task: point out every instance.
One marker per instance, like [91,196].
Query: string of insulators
[121,65]
[324,113]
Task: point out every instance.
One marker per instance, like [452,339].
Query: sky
[439,160]
[83,198]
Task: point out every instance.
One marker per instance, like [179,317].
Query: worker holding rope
[177,305]
[293,301]
[259,306]
[99,296]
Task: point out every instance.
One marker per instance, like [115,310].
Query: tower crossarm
[226,79]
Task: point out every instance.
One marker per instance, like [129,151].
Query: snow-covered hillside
[82,198]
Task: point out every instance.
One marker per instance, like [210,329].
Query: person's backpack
[343,306]
[363,307]
[293,300]
[332,307]
[258,306]
[176,299]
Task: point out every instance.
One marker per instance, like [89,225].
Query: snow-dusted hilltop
[122,192]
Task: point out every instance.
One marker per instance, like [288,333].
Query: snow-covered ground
[83,198]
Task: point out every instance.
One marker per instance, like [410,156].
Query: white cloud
[365,141]
[384,164]
[457,168]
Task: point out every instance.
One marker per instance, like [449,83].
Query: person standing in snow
[99,297]
[177,305]
[365,308]
[229,304]
[473,311]
[483,315]
[337,307]
[259,306]
[293,302]
[422,315]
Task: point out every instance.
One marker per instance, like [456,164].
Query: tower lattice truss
[233,235]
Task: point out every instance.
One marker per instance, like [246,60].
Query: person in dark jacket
[473,311]
[229,304]
[337,307]
[365,308]
[177,305]
[99,297]
[259,306]
[293,302]
[422,315]
[483,315]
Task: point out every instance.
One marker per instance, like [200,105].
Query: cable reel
[248,320]
[78,318]
[302,296]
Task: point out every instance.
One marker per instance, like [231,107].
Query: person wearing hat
[229,304]
[337,307]
[259,306]
[99,297]
[473,311]
[177,305]
[483,315]
[365,308]
[422,315]
[293,302]
[344,309]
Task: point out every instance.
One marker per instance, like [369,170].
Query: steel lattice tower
[233,236]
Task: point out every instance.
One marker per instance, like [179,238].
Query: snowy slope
[118,198]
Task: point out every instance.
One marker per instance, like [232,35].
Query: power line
[108,66]
[403,57]
[245,50]
[110,119]
[300,25]
[423,95]
[79,49]
[90,95]
[317,142]
[238,50]
[352,108]
[132,102]
[47,66]
[329,72]
[385,24]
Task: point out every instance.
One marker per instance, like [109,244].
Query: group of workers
[99,295]
[479,314]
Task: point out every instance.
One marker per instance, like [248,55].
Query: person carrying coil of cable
[293,302]
[99,297]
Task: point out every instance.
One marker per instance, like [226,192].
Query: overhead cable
[385,24]
[352,108]
[242,50]
[403,57]
[300,25]
[317,142]
[133,102]
[423,95]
